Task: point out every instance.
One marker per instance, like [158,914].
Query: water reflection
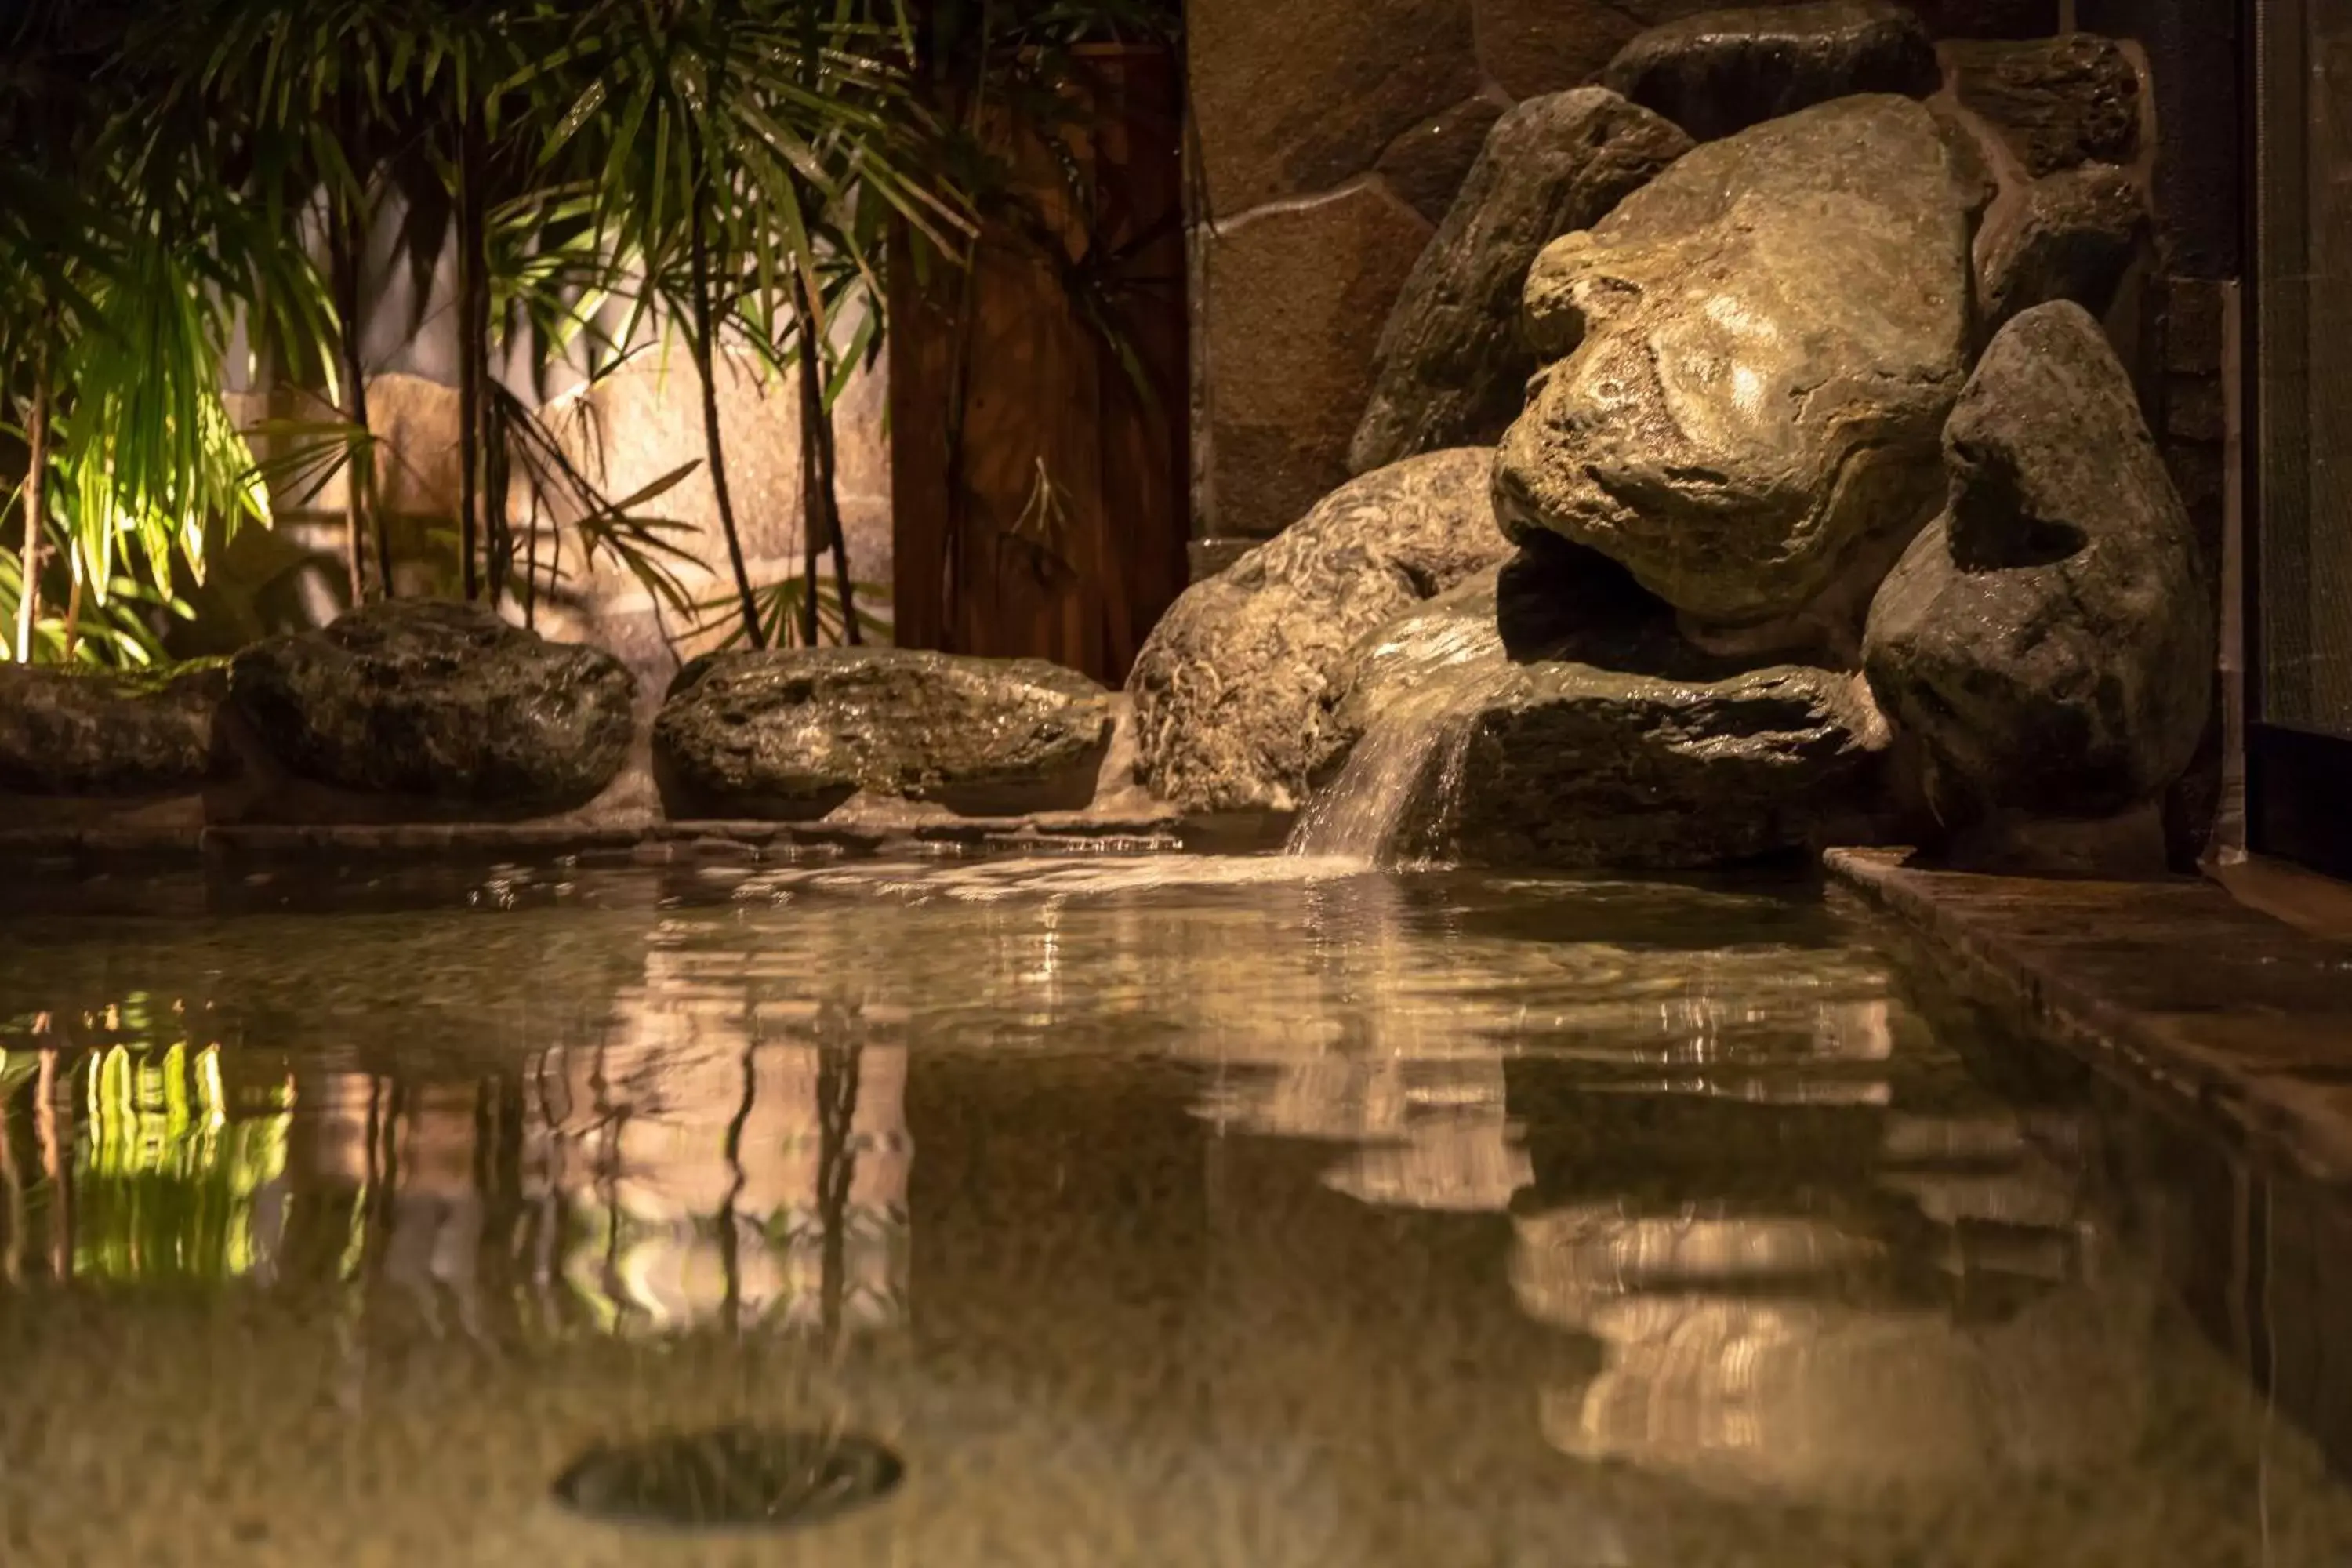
[1360,1219]
[1787,1356]
[141,1163]
[704,1160]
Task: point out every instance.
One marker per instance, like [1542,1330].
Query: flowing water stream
[1408,761]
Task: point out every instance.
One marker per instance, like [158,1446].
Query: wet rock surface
[1574,727]
[1453,366]
[1723,71]
[1755,355]
[790,735]
[2049,640]
[2074,238]
[90,732]
[2057,102]
[439,704]
[1229,689]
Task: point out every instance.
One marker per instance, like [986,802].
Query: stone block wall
[1332,135]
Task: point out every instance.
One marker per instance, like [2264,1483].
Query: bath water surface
[1090,1212]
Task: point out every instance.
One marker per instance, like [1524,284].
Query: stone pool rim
[2237,1020]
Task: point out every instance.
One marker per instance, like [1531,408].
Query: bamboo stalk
[812,478]
[472,370]
[703,329]
[851,633]
[497,495]
[343,259]
[817,437]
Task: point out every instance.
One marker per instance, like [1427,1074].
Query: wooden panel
[1041,497]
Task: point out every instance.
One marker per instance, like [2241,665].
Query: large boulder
[440,705]
[1723,71]
[1757,352]
[1230,688]
[75,732]
[1452,368]
[1534,46]
[2057,102]
[1559,718]
[2074,237]
[2049,641]
[789,734]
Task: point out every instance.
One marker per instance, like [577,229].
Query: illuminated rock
[1452,369]
[791,733]
[1230,688]
[1603,738]
[1722,71]
[1753,357]
[94,732]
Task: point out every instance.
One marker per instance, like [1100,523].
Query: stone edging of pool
[655,841]
[2243,1017]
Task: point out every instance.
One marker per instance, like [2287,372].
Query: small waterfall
[1359,816]
[1414,744]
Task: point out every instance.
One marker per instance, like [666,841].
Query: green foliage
[123,265]
[123,630]
[186,185]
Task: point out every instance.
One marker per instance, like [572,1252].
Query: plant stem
[37,443]
[73,614]
[816,482]
[473,369]
[498,471]
[343,261]
[702,332]
[531,568]
[851,633]
[817,437]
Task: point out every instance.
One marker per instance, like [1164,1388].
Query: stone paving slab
[2238,1014]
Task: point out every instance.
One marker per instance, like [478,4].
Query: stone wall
[1332,136]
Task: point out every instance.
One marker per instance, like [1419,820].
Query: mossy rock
[82,731]
[439,704]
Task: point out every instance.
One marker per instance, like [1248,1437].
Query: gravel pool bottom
[1168,1212]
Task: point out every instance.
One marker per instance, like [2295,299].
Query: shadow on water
[1150,1211]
